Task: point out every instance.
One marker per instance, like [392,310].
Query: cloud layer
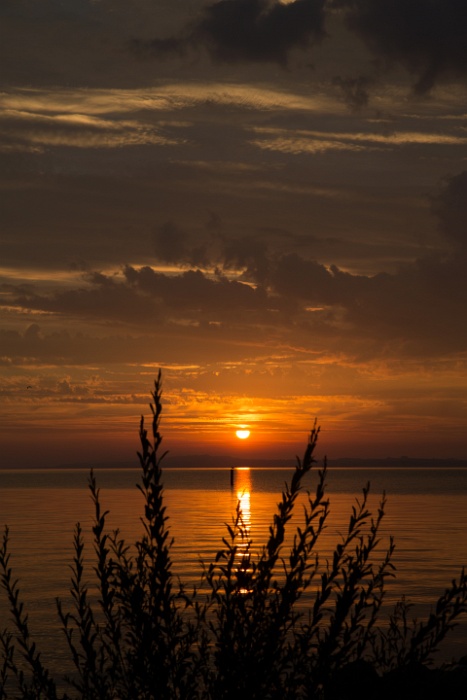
[266,198]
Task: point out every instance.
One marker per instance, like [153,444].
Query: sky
[266,199]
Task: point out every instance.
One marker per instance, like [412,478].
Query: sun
[242,434]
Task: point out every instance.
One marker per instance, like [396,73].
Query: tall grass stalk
[279,623]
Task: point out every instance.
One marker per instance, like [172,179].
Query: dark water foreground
[426,513]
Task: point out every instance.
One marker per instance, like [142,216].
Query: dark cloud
[172,244]
[249,254]
[420,304]
[102,298]
[354,90]
[427,37]
[424,299]
[450,206]
[247,30]
[416,309]
[305,279]
[147,297]
[193,292]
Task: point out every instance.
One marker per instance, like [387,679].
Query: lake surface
[426,512]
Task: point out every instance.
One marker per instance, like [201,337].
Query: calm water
[426,513]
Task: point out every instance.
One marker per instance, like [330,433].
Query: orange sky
[275,217]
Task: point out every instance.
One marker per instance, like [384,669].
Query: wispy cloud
[166,96]
[80,131]
[303,141]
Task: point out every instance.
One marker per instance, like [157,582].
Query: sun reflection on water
[242,490]
[242,484]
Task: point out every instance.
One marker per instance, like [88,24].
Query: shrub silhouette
[246,633]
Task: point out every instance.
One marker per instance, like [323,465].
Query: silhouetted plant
[247,632]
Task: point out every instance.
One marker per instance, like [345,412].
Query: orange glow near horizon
[76,422]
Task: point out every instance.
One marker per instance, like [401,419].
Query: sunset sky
[267,199]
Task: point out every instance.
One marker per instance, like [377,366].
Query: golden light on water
[243,493]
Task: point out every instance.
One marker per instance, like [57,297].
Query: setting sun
[242,434]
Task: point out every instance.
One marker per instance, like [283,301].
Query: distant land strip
[206,461]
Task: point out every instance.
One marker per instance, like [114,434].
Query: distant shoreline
[229,462]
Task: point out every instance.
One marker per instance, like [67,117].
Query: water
[426,513]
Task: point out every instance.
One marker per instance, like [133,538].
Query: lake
[426,513]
